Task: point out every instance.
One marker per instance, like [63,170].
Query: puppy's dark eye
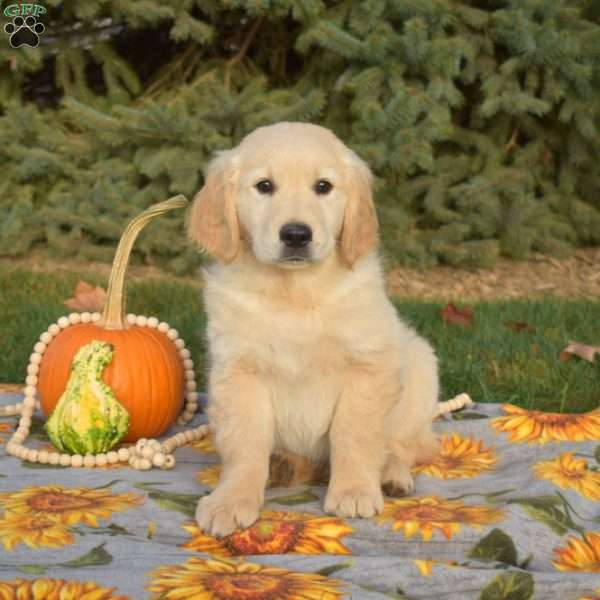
[323,187]
[265,186]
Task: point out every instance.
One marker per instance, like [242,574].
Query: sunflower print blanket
[508,510]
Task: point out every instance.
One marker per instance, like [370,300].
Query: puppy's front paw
[221,514]
[356,501]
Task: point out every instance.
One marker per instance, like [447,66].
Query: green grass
[489,361]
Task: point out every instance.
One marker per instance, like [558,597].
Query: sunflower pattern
[537,427]
[276,532]
[459,458]
[5,430]
[580,554]
[569,472]
[41,516]
[59,589]
[209,476]
[223,579]
[429,514]
[504,479]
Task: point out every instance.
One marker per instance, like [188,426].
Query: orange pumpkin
[146,373]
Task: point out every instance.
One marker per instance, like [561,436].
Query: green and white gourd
[88,418]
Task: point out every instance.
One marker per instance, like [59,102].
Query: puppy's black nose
[295,235]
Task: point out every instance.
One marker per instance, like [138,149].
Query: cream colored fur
[307,357]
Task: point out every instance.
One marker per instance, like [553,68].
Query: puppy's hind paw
[398,482]
[354,502]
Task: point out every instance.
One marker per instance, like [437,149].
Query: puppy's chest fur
[300,353]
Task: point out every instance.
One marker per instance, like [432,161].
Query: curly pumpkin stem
[113,316]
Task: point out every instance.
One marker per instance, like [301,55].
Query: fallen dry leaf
[519,326]
[582,350]
[86,297]
[457,316]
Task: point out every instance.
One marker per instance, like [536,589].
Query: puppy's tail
[453,404]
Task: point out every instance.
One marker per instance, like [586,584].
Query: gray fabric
[525,521]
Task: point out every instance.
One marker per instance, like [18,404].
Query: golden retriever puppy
[306,352]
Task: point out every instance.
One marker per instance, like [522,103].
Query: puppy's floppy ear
[359,231]
[213,221]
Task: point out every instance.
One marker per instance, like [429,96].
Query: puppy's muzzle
[295,235]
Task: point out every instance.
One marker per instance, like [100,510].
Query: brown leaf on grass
[457,316]
[576,349]
[520,326]
[86,297]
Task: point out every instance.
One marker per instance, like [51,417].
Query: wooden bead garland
[146,453]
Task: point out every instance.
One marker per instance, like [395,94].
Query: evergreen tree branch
[241,53]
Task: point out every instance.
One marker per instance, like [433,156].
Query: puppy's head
[294,191]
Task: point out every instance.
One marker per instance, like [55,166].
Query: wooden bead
[22,452]
[112,457]
[152,322]
[33,369]
[74,318]
[53,458]
[25,422]
[147,451]
[140,445]
[169,461]
[144,464]
[156,445]
[101,460]
[54,329]
[188,364]
[18,438]
[124,454]
[43,456]
[130,318]
[173,334]
[29,402]
[31,455]
[191,407]
[46,338]
[40,347]
[96,316]
[30,390]
[191,385]
[158,460]
[86,317]
[187,415]
[190,375]
[63,322]
[89,460]
[35,358]
[185,353]
[141,321]
[189,435]
[31,380]
[77,460]
[11,446]
[65,460]
[179,344]
[23,431]
[164,327]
